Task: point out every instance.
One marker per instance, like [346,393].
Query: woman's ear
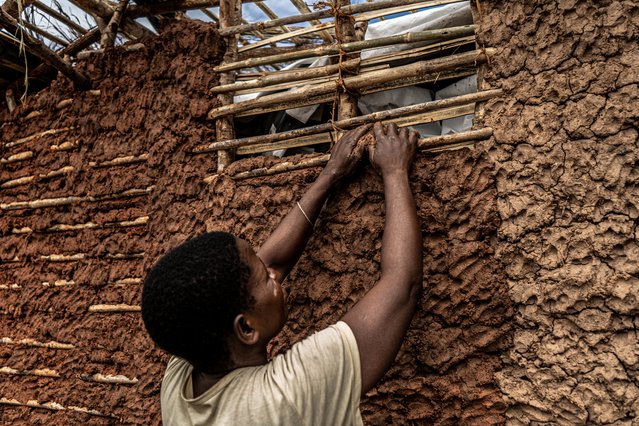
[244,331]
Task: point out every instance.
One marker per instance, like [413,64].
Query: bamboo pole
[395,84]
[301,75]
[108,378]
[64,227]
[17,182]
[36,344]
[354,122]
[111,30]
[418,51]
[114,308]
[362,18]
[285,77]
[327,137]
[63,257]
[121,161]
[413,37]
[430,144]
[10,287]
[284,167]
[290,85]
[58,283]
[345,33]
[64,146]
[44,53]
[53,406]
[356,83]
[230,14]
[326,13]
[76,257]
[426,144]
[64,201]
[21,156]
[45,372]
[125,256]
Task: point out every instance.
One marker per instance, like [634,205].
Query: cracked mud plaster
[154,102]
[565,150]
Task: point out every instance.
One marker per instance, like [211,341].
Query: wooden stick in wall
[63,201]
[230,15]
[345,33]
[357,121]
[326,13]
[114,308]
[53,406]
[414,37]
[424,145]
[357,82]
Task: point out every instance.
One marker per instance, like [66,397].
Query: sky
[250,12]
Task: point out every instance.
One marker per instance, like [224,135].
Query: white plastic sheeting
[451,15]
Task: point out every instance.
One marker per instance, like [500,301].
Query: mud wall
[565,153]
[94,248]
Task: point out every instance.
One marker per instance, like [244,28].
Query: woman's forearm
[283,248]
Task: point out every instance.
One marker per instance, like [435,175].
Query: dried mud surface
[153,102]
[565,146]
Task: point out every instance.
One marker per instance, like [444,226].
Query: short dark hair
[191,297]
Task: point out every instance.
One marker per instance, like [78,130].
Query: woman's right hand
[394,149]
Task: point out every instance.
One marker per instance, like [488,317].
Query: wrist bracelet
[304,213]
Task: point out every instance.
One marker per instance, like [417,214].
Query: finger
[403,133]
[392,129]
[378,128]
[356,134]
[414,137]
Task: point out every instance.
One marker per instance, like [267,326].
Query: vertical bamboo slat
[230,15]
[345,32]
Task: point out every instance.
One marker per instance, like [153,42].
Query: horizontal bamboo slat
[65,146]
[25,180]
[58,283]
[45,372]
[108,378]
[326,137]
[355,46]
[355,122]
[36,344]
[15,158]
[364,17]
[326,13]
[366,83]
[119,308]
[53,406]
[10,286]
[270,81]
[37,135]
[63,227]
[121,161]
[430,144]
[64,201]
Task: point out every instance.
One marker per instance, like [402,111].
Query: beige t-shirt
[317,382]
